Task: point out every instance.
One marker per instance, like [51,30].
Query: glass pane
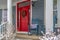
[0,15]
[54,14]
[24,4]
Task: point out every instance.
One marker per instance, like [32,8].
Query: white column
[58,12]
[9,17]
[48,12]
[9,11]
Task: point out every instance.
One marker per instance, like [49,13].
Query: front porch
[41,14]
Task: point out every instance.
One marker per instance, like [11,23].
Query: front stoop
[26,36]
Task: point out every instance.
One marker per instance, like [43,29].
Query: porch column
[58,13]
[48,12]
[9,17]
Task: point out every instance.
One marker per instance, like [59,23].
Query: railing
[3,30]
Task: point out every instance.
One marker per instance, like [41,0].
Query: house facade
[41,10]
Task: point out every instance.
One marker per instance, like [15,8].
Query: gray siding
[38,10]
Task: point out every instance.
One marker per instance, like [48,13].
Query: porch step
[26,36]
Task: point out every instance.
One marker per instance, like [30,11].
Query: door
[23,16]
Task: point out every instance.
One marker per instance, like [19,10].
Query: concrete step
[26,36]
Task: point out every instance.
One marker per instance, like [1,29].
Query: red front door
[23,18]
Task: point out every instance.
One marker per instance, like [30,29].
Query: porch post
[9,17]
[48,12]
[58,13]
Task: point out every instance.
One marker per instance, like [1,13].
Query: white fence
[3,30]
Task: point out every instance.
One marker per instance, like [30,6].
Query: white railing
[3,30]
[49,36]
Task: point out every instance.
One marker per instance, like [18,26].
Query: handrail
[3,29]
[3,23]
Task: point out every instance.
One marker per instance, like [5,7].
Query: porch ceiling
[4,2]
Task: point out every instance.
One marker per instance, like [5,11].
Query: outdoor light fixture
[33,3]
